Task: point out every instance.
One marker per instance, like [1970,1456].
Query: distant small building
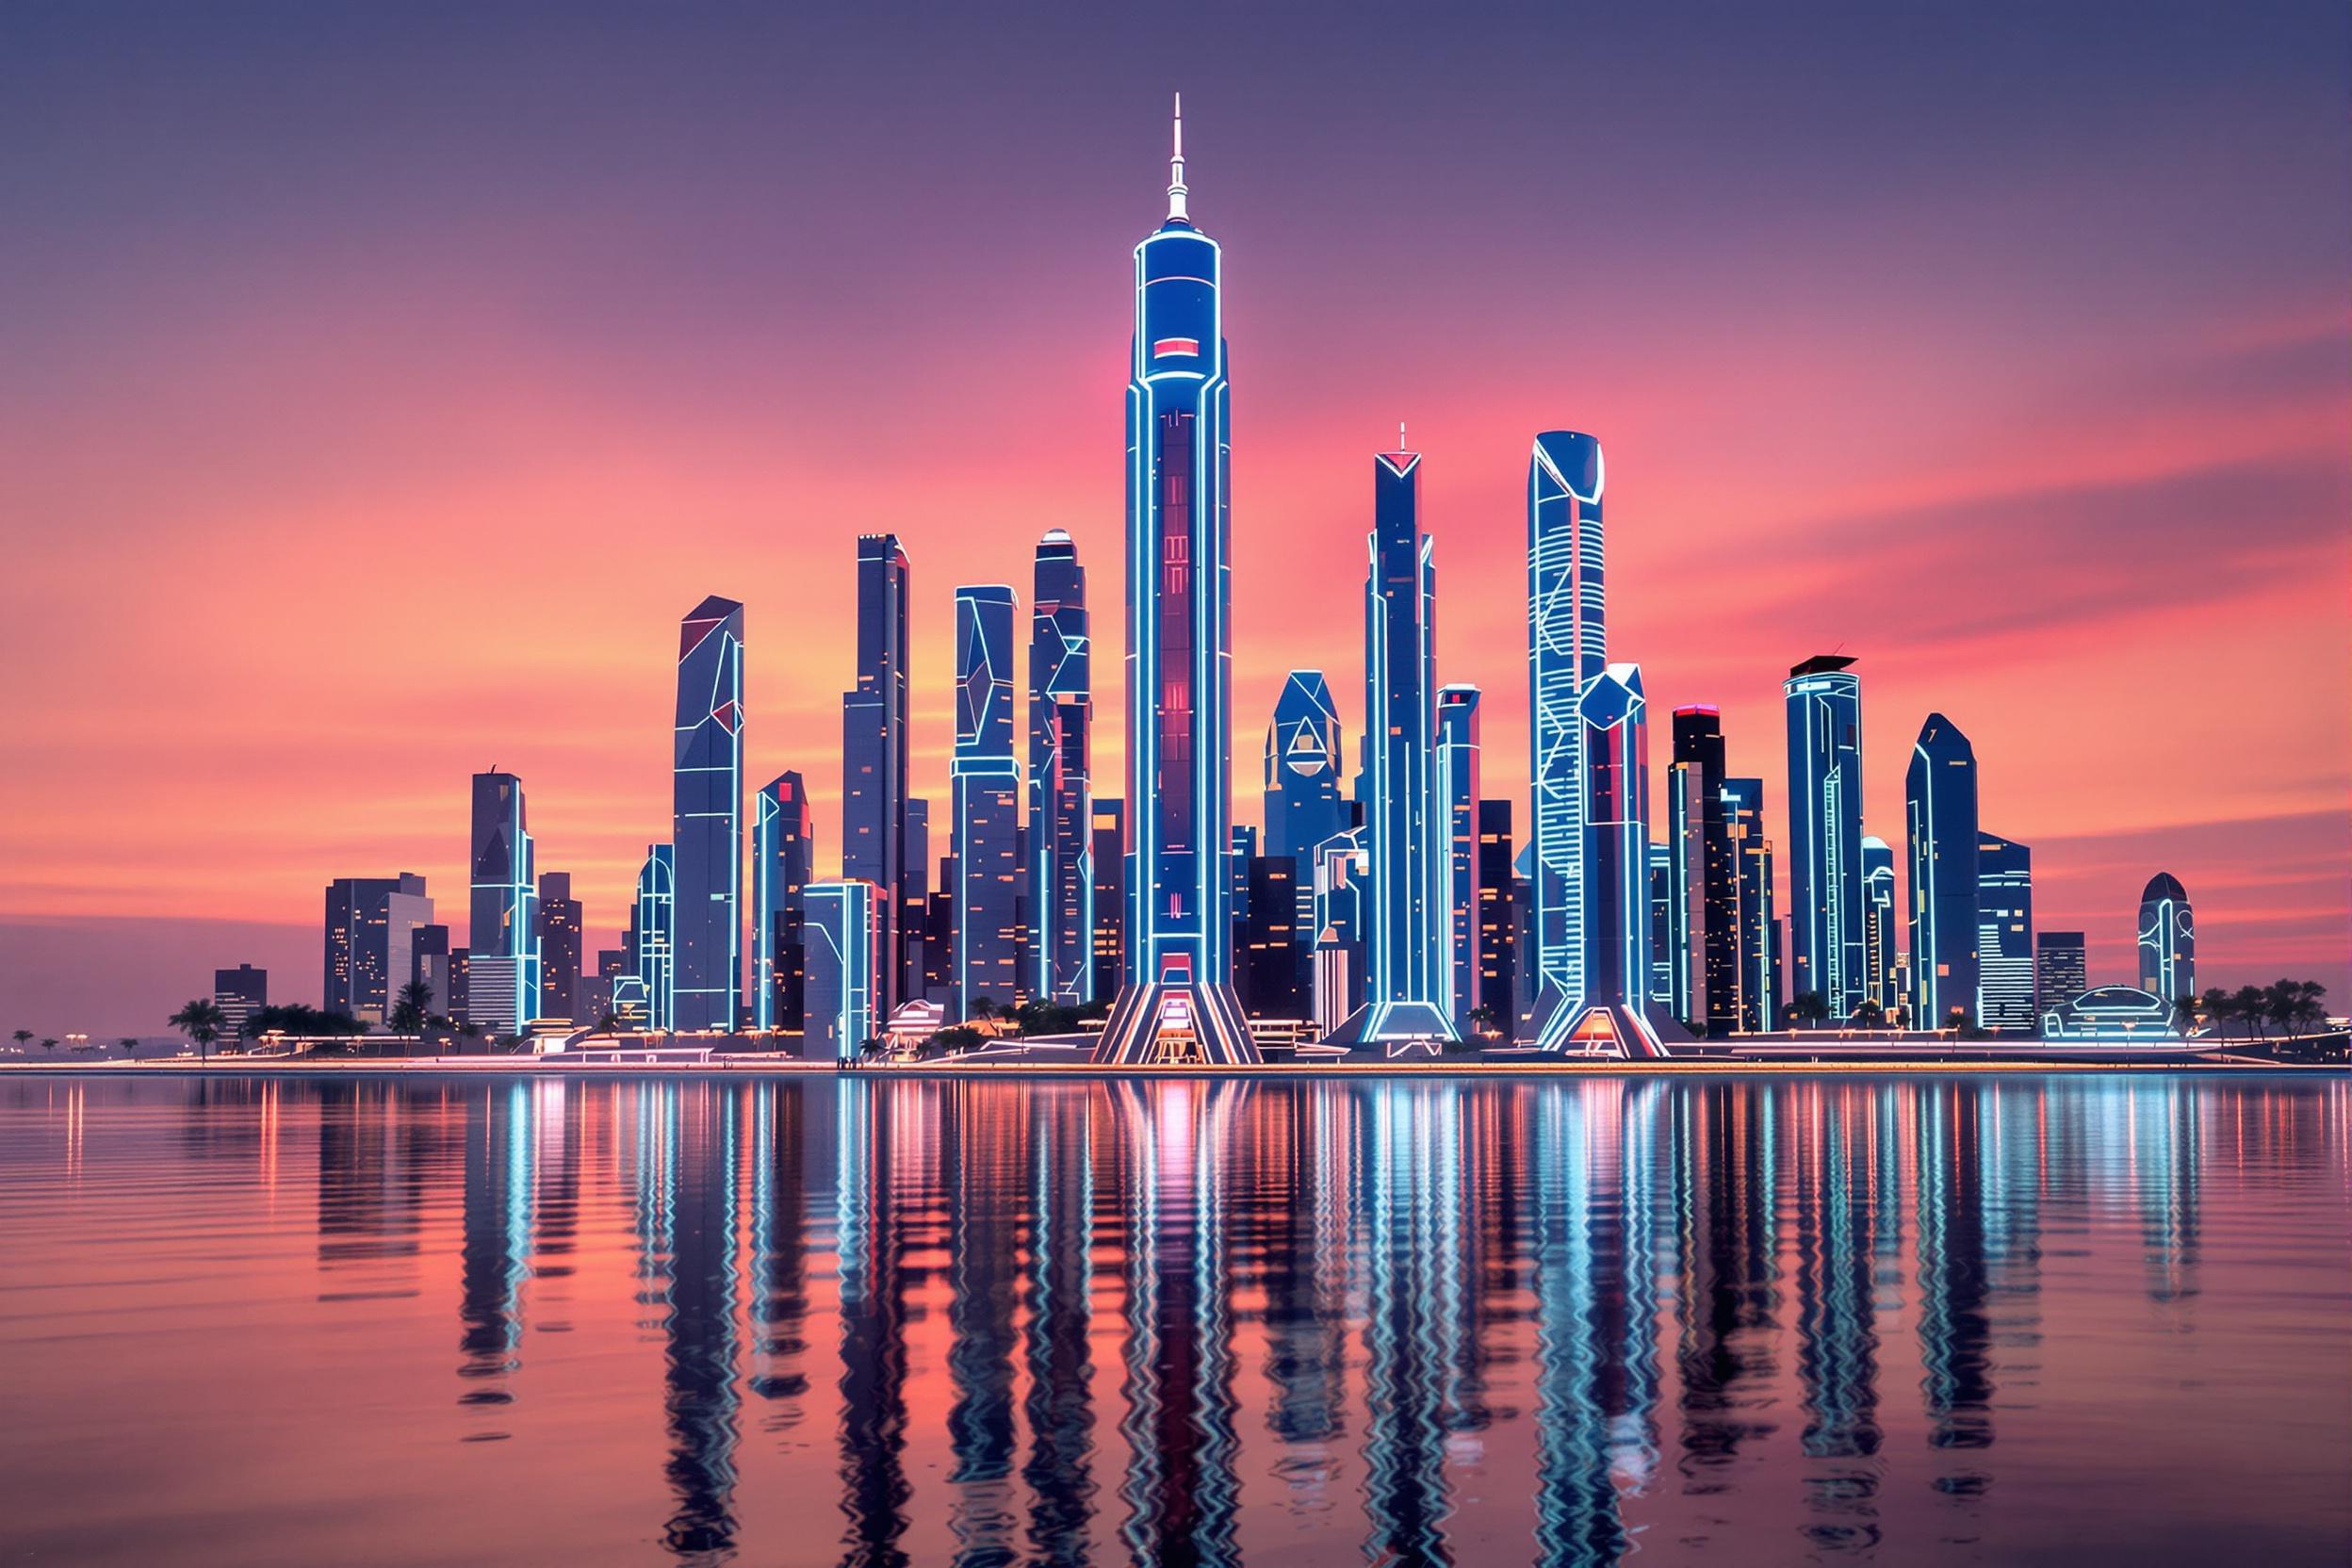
[239,993]
[2061,969]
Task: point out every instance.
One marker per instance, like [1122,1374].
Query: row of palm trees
[2290,1006]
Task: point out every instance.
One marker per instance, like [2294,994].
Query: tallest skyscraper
[1176,1002]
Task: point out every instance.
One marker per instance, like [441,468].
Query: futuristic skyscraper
[987,782]
[707,817]
[1178,1001]
[1613,1018]
[1061,719]
[1458,830]
[2004,935]
[652,923]
[843,926]
[1567,650]
[1303,805]
[875,800]
[1939,797]
[502,928]
[1705,950]
[1755,975]
[1409,984]
[1880,950]
[2167,939]
[1824,702]
[783,854]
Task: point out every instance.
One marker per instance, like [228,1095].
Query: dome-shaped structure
[2164,885]
[2111,1015]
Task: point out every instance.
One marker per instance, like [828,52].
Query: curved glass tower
[2167,939]
[1940,794]
[1177,1001]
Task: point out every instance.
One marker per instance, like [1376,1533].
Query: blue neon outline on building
[782,861]
[707,818]
[1880,953]
[1756,1006]
[987,786]
[842,921]
[2167,939]
[501,936]
[1061,798]
[1940,792]
[656,914]
[1824,710]
[2004,935]
[1613,1018]
[1178,997]
[1458,786]
[1567,650]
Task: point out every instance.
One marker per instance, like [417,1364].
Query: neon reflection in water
[1421,1321]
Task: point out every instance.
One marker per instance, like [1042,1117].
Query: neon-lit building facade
[652,925]
[2111,1015]
[502,931]
[1613,1018]
[1462,926]
[2062,969]
[1824,704]
[707,818]
[987,783]
[2167,930]
[1178,1001]
[1567,650]
[1408,987]
[1061,809]
[875,802]
[1880,950]
[2004,935]
[842,921]
[783,862]
[1939,801]
[1755,971]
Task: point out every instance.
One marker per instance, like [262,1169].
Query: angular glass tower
[1613,1018]
[1567,650]
[1177,1003]
[707,818]
[1824,703]
[843,923]
[874,799]
[1939,800]
[1061,720]
[1463,926]
[2167,939]
[1303,807]
[783,856]
[987,782]
[1408,983]
[2004,935]
[504,917]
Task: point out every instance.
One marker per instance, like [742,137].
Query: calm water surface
[2080,1320]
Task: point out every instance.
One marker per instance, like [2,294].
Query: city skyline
[2248,871]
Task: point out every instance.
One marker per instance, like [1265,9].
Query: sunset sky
[379,384]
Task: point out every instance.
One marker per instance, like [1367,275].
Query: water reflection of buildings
[1660,1292]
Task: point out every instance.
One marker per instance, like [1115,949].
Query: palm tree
[1482,1018]
[2184,1012]
[128,1044]
[409,1012]
[1808,1007]
[23,1037]
[983,1006]
[2247,1002]
[2218,1006]
[2310,1011]
[200,1020]
[50,1043]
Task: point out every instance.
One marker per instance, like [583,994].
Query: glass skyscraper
[1755,973]
[653,923]
[1613,1018]
[1410,985]
[1303,807]
[1879,948]
[1178,1001]
[707,818]
[1824,703]
[2004,935]
[2062,970]
[2167,930]
[783,856]
[503,932]
[843,923]
[874,799]
[1939,800]
[1705,949]
[1458,824]
[1567,650]
[1061,827]
[987,783]
[371,925]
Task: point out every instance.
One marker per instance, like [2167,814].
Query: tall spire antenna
[1176,192]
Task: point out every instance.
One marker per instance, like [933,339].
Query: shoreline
[575,1066]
